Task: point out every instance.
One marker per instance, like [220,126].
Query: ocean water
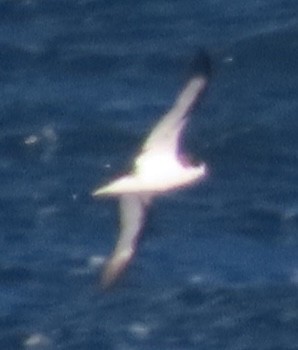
[81,84]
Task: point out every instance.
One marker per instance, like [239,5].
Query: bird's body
[158,168]
[157,174]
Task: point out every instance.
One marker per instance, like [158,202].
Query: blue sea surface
[82,82]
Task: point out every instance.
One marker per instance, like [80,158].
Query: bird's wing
[164,138]
[132,213]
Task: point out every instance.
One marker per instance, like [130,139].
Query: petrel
[158,168]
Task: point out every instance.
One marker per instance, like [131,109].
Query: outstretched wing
[132,214]
[164,138]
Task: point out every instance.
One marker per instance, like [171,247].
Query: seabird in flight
[158,168]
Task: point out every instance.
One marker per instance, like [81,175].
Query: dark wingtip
[201,64]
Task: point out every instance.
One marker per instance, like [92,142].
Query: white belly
[154,175]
